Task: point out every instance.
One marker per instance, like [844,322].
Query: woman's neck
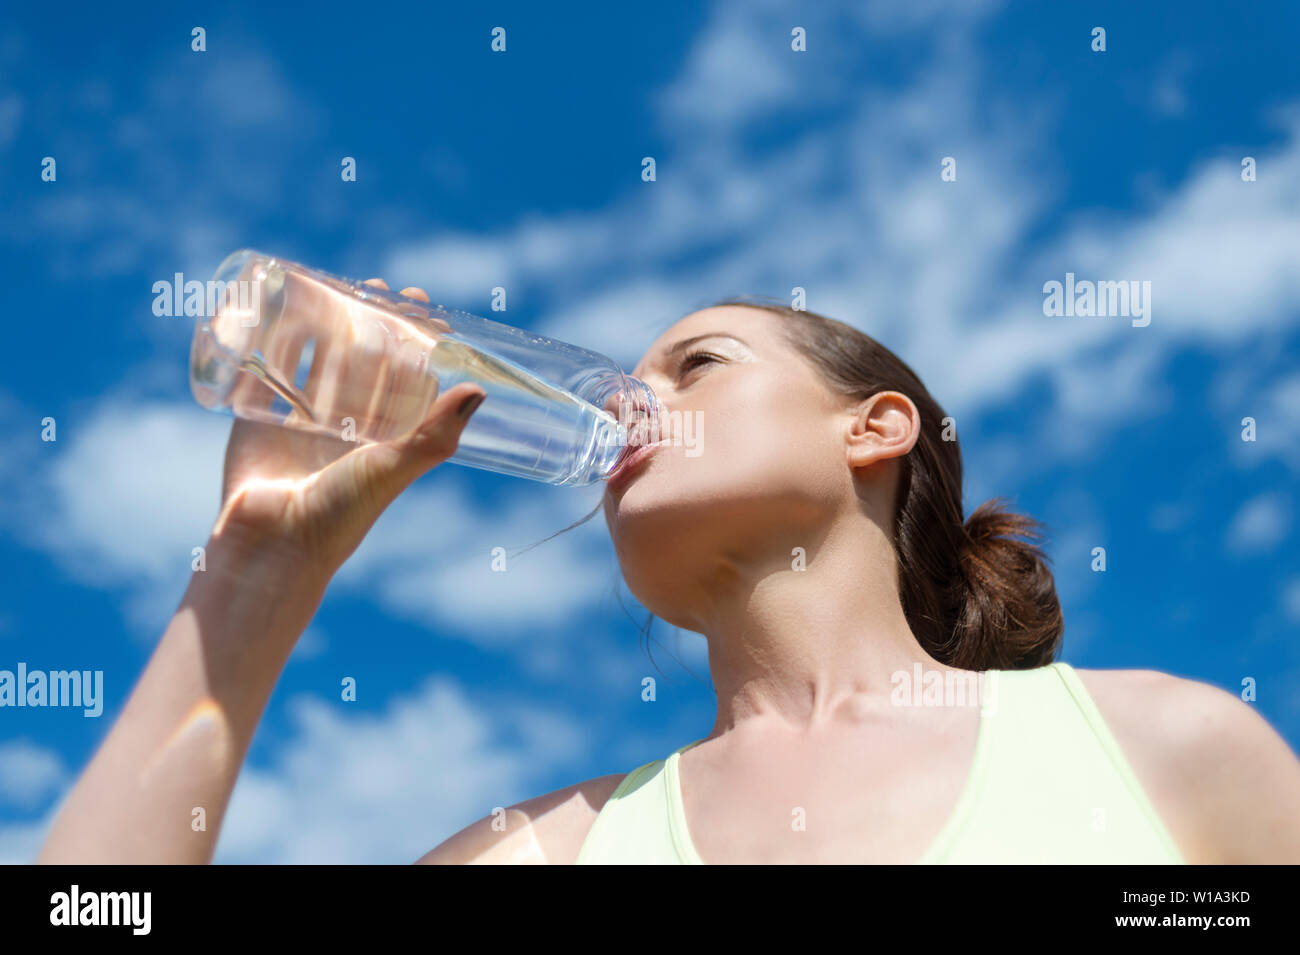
[804,645]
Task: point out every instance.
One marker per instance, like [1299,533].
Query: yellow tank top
[1048,785]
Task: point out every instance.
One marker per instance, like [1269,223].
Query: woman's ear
[886,425]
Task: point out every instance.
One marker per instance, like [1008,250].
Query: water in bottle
[293,346]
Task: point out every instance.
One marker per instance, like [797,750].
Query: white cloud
[1101,392]
[1260,524]
[358,787]
[742,65]
[452,269]
[1276,410]
[1222,257]
[137,487]
[355,787]
[129,491]
[28,773]
[1221,254]
[1291,599]
[183,161]
[853,211]
[620,321]
[21,842]
[430,558]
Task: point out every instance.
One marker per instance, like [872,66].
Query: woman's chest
[883,804]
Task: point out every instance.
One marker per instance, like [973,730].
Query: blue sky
[521,169]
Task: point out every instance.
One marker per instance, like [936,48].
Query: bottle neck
[640,412]
[637,416]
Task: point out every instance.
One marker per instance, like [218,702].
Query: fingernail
[469,404]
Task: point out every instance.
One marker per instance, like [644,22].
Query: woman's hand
[311,498]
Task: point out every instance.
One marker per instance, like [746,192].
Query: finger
[364,368]
[329,353]
[417,293]
[279,348]
[388,468]
[410,393]
[337,386]
[283,351]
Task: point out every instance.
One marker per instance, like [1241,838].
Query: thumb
[388,468]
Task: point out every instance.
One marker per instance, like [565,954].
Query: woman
[818,543]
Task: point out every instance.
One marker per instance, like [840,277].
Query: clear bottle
[289,345]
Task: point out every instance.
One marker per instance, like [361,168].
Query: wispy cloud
[351,787]
[431,558]
[1275,408]
[1260,524]
[435,761]
[28,773]
[937,270]
[201,136]
[125,495]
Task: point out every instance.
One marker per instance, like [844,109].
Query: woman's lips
[630,464]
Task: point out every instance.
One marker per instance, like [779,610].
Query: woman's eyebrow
[688,342]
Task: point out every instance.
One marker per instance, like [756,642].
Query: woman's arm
[157,789]
[1244,778]
[545,830]
[1224,781]
[295,505]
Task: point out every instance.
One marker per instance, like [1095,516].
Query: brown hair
[978,594]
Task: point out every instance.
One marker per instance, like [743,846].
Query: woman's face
[752,462]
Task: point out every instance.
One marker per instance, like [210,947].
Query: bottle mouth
[644,415]
[639,414]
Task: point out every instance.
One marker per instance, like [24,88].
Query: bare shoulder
[544,830]
[1224,781]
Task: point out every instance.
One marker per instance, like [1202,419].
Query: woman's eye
[697,358]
